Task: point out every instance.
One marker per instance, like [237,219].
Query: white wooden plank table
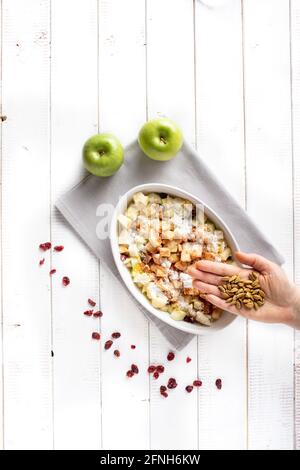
[228,71]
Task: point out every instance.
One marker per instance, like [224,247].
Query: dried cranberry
[65,281]
[163,388]
[133,346]
[197,383]
[123,257]
[151,369]
[156,375]
[108,344]
[45,246]
[98,314]
[91,302]
[170,356]
[164,394]
[96,335]
[116,335]
[58,248]
[189,388]
[117,353]
[53,271]
[188,319]
[188,359]
[219,384]
[129,373]
[172,383]
[41,262]
[88,313]
[160,369]
[134,368]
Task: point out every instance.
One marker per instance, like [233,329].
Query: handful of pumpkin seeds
[243,293]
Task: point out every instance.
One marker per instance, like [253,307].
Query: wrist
[295,320]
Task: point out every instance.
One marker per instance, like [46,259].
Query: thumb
[255,261]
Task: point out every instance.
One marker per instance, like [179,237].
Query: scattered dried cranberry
[123,257]
[188,359]
[117,353]
[91,302]
[172,383]
[129,373]
[134,368]
[88,313]
[97,314]
[219,384]
[156,375]
[45,246]
[163,388]
[133,346]
[160,369]
[96,335]
[108,344]
[116,335]
[53,271]
[189,388]
[65,281]
[164,394]
[197,383]
[170,356]
[58,248]
[151,369]
[42,261]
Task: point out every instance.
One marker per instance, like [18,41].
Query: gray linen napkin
[187,171]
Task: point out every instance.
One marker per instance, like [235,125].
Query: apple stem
[163,140]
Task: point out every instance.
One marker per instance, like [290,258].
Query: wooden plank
[269,161]
[122,98]
[220,140]
[295,82]
[170,78]
[26,191]
[74,117]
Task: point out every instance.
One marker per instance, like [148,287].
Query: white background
[229,74]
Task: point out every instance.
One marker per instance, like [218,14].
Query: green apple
[160,139]
[103,154]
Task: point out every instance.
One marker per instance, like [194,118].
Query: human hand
[282,297]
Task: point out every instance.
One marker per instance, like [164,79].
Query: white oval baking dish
[121,207]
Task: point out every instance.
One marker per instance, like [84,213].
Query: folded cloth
[187,171]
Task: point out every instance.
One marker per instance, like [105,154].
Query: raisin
[133,346]
[117,353]
[189,388]
[41,262]
[160,369]
[129,373]
[188,359]
[163,388]
[151,369]
[156,375]
[108,344]
[134,368]
[53,271]
[91,302]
